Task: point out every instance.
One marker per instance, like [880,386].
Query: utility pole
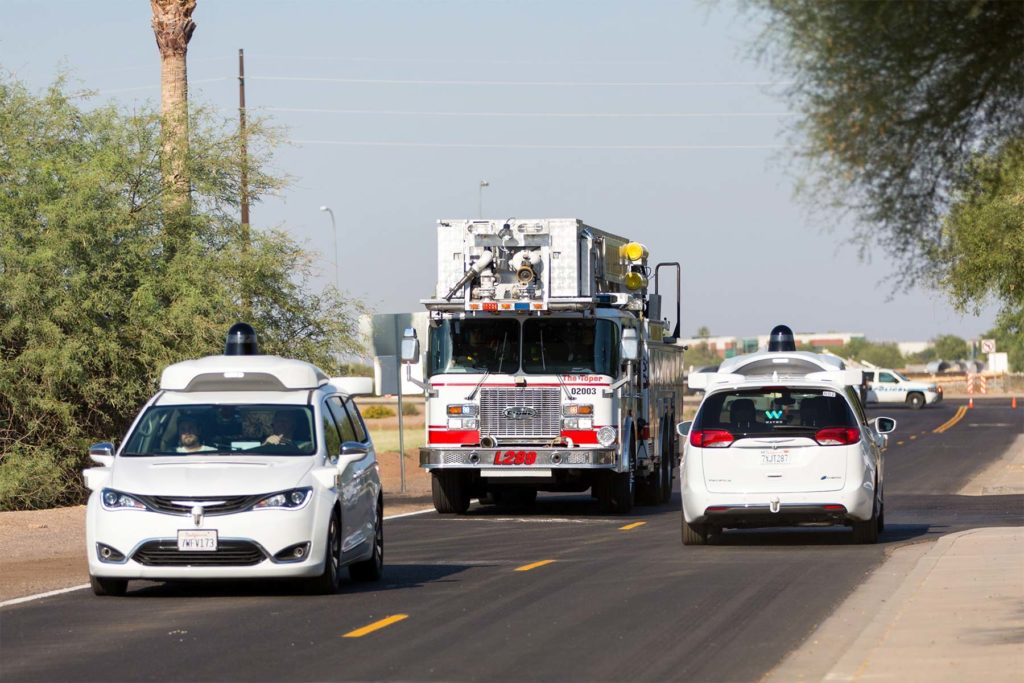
[245,151]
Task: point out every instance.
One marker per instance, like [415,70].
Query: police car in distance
[781,439]
[888,386]
[241,466]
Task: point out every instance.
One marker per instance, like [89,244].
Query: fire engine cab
[548,366]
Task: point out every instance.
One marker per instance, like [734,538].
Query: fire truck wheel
[450,492]
[667,462]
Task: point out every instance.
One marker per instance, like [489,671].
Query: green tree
[880,354]
[950,347]
[92,307]
[700,355]
[898,100]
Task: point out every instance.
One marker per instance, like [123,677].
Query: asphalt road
[618,599]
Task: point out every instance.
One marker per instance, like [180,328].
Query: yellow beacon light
[635,281]
[634,251]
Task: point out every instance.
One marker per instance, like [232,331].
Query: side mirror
[351,451]
[630,344]
[683,428]
[102,453]
[884,425]
[410,346]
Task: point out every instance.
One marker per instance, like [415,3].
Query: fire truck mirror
[410,346]
[630,344]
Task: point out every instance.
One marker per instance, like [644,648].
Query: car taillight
[710,438]
[837,436]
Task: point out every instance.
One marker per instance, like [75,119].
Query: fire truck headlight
[570,423]
[463,423]
[463,410]
[606,436]
[574,409]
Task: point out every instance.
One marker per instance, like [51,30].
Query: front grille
[545,424]
[228,554]
[212,505]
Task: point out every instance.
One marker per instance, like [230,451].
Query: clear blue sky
[644,118]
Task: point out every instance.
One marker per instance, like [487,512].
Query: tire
[450,492]
[668,462]
[105,586]
[329,580]
[372,568]
[694,534]
[881,513]
[915,400]
[867,532]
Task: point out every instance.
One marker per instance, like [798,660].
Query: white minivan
[241,466]
[781,439]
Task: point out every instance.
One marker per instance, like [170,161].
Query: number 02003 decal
[582,391]
[515,458]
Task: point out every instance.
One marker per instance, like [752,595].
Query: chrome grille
[545,424]
[228,554]
[212,505]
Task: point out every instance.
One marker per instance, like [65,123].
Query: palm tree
[173,28]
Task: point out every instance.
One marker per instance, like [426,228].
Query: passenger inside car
[743,415]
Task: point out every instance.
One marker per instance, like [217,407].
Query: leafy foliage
[96,297]
[898,99]
[881,354]
[950,347]
[376,411]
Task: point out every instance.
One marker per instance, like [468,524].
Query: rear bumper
[756,509]
[475,458]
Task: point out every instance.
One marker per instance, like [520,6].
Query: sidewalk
[948,611]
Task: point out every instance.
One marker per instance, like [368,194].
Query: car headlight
[115,500]
[606,436]
[285,500]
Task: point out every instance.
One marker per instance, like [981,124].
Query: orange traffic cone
[1013,403]
[970,402]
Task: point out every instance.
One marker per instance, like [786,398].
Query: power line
[612,84]
[354,143]
[636,115]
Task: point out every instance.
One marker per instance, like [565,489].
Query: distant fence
[995,384]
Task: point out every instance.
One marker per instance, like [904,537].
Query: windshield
[560,345]
[476,345]
[204,429]
[547,345]
[770,410]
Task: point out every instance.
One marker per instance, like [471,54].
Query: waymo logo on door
[773,414]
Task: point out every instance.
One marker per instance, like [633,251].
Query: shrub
[410,409]
[375,412]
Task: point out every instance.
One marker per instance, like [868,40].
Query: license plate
[515,458]
[192,540]
[775,457]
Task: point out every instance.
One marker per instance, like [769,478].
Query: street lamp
[334,229]
[483,184]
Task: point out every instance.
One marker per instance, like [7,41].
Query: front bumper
[475,458]
[247,544]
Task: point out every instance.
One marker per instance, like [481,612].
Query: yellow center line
[959,415]
[528,567]
[375,626]
[899,443]
[913,436]
[631,526]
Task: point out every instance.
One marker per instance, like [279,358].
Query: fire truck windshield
[547,346]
